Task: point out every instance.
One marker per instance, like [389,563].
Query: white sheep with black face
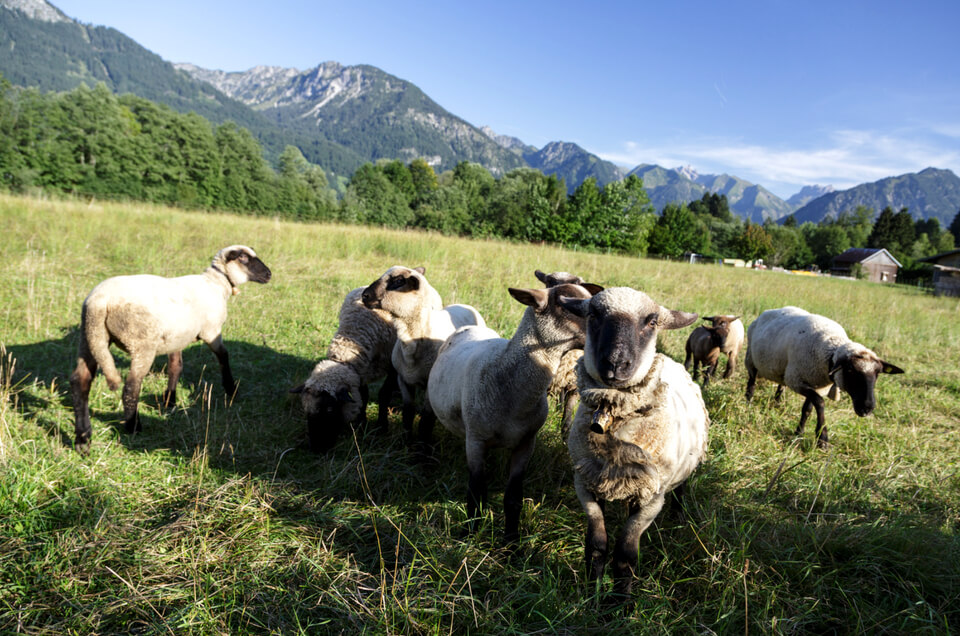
[641,428]
[493,392]
[422,324]
[813,356]
[336,393]
[147,316]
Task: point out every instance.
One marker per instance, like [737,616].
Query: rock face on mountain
[572,163]
[930,193]
[808,194]
[36,10]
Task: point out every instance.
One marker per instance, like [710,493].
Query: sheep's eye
[395,283]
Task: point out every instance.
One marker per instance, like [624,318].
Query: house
[878,265]
[946,272]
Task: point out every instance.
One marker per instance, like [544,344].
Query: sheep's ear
[540,276]
[710,318]
[420,270]
[592,288]
[889,368]
[536,298]
[298,389]
[576,306]
[675,319]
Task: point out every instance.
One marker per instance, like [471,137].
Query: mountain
[44,49]
[364,109]
[682,185]
[808,194]
[930,193]
[572,163]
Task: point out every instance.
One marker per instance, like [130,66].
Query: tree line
[90,142]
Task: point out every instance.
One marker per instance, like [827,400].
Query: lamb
[734,340]
[703,347]
[149,315]
[813,356]
[493,392]
[641,428]
[336,393]
[564,385]
[422,324]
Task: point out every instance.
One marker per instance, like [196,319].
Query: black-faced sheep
[147,316]
[493,392]
[641,428]
[813,356]
[703,347]
[564,385]
[336,393]
[422,324]
[733,341]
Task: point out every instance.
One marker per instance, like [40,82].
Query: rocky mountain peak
[36,9]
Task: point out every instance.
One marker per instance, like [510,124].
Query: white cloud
[843,159]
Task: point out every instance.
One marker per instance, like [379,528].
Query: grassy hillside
[216,520]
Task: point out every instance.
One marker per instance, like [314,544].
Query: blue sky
[781,93]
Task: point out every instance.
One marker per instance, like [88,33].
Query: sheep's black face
[325,420]
[718,335]
[396,279]
[249,264]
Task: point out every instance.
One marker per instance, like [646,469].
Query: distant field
[216,519]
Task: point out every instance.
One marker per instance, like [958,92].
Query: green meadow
[217,519]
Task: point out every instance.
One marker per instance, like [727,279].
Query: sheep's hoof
[169,399]
[82,445]
[133,425]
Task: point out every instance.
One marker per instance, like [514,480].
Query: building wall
[881,272]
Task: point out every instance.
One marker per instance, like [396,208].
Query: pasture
[216,519]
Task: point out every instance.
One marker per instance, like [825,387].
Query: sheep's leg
[364,400]
[219,350]
[80,381]
[779,394]
[139,367]
[688,359]
[425,430]
[384,396]
[174,367]
[595,544]
[570,400]
[696,369]
[708,371]
[513,496]
[627,552]
[813,401]
[751,381]
[409,408]
[477,483]
[731,365]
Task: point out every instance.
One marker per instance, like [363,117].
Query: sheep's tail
[93,324]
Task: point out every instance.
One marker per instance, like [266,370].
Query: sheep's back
[364,338]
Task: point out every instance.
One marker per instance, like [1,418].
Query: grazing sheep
[564,385]
[703,347]
[641,428]
[422,323]
[336,393]
[813,356]
[733,342]
[147,316]
[493,391]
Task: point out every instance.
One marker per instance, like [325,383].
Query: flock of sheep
[638,432]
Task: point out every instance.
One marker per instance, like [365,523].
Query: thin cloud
[846,158]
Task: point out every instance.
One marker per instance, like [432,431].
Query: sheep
[733,342]
[564,385]
[493,392]
[149,315]
[336,393]
[641,427]
[422,324]
[813,356]
[703,347]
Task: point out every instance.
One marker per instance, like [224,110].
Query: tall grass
[216,519]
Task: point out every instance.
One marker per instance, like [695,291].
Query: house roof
[863,254]
[937,257]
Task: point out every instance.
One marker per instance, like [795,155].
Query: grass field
[215,519]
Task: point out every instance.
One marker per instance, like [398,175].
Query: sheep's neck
[527,356]
[220,278]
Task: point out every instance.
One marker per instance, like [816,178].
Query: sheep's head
[558,278]
[855,370]
[240,264]
[555,323]
[621,327]
[402,292]
[718,334]
[330,406]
